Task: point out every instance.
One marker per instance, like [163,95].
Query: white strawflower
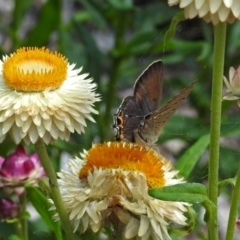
[43,96]
[109,186]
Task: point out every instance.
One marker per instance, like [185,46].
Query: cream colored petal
[25,100]
[19,121]
[37,120]
[199,4]
[123,216]
[144,226]
[156,228]
[6,113]
[223,13]
[173,2]
[24,116]
[214,5]
[6,125]
[231,97]
[229,88]
[47,123]
[232,72]
[33,134]
[78,212]
[190,11]
[47,138]
[184,3]
[54,131]
[85,222]
[228,3]
[15,134]
[26,125]
[41,130]
[236,8]
[132,228]
[95,226]
[238,103]
[60,124]
[203,10]
[92,213]
[147,235]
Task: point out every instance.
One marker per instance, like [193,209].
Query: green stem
[24,222]
[234,208]
[216,102]
[19,230]
[55,193]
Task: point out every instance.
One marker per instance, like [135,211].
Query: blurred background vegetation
[115,41]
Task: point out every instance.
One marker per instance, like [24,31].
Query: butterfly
[139,118]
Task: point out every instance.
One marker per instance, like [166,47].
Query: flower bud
[233,85]
[19,168]
[8,209]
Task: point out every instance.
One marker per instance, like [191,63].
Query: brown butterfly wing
[147,93]
[128,118]
[152,124]
[148,88]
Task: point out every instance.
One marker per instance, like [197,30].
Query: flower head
[233,85]
[214,11]
[43,96]
[109,187]
[8,209]
[19,168]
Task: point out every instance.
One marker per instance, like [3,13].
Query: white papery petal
[214,11]
[60,111]
[123,193]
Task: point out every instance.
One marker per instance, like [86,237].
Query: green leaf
[95,13]
[122,5]
[41,235]
[41,204]
[20,8]
[187,192]
[189,159]
[19,12]
[14,237]
[48,21]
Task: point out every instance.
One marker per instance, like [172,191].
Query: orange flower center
[127,157]
[34,70]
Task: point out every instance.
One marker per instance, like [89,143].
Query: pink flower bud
[8,209]
[18,168]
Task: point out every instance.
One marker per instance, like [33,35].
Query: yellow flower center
[34,70]
[128,157]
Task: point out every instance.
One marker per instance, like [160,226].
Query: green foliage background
[115,41]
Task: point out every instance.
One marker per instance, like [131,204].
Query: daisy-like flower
[233,85]
[108,187]
[43,96]
[214,11]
